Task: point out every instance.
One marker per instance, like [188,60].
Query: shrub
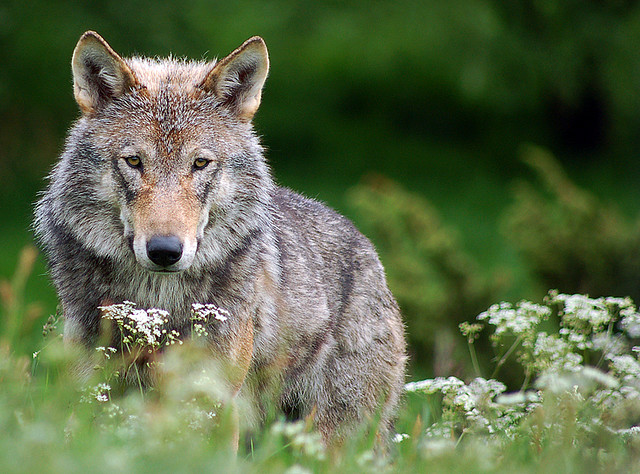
[570,239]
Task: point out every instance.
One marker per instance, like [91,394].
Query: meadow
[576,408]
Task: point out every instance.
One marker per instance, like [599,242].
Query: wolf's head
[169,152]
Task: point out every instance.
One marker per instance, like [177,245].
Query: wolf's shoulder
[294,207]
[315,225]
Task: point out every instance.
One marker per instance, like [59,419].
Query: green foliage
[18,319]
[577,411]
[435,282]
[570,239]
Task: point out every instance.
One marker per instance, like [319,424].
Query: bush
[570,239]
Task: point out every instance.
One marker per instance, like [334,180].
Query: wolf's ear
[237,80]
[99,74]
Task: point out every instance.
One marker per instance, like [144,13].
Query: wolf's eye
[133,161]
[200,163]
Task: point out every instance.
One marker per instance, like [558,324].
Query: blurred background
[488,148]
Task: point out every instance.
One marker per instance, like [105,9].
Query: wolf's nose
[164,250]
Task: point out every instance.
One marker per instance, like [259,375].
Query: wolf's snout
[164,250]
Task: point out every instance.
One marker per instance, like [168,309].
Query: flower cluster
[479,406]
[551,352]
[521,320]
[589,364]
[188,387]
[99,393]
[140,327]
[201,314]
[581,317]
[629,317]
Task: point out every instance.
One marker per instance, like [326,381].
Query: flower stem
[474,358]
[506,355]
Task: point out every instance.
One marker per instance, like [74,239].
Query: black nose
[164,250]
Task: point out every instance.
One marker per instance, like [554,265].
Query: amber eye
[200,163]
[133,161]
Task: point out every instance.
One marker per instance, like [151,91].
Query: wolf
[162,196]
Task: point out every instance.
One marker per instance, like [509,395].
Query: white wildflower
[439,384]
[553,353]
[586,335]
[630,321]
[462,399]
[470,404]
[626,366]
[400,437]
[582,314]
[421,386]
[487,389]
[139,326]
[517,321]
[98,392]
[577,339]
[619,302]
[205,312]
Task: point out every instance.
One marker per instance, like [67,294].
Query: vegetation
[570,239]
[576,408]
[433,108]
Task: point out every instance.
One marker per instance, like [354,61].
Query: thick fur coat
[163,197]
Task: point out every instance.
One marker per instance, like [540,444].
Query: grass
[577,408]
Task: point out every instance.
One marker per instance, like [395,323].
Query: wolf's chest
[148,290]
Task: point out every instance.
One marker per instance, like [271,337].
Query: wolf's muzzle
[164,250]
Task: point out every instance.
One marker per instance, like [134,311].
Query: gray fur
[327,336]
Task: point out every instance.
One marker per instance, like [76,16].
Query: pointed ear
[99,74]
[237,80]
